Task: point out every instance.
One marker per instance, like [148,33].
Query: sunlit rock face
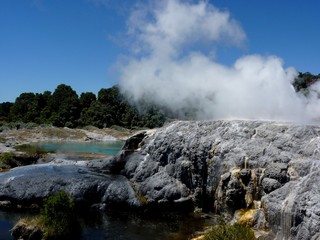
[224,166]
[29,185]
[266,171]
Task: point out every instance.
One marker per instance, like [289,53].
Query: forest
[64,108]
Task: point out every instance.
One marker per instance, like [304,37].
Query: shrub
[7,160]
[59,218]
[236,231]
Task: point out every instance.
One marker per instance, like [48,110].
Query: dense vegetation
[64,108]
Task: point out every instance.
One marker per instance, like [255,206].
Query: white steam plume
[168,68]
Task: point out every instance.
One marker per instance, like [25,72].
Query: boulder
[23,230]
[270,184]
[31,184]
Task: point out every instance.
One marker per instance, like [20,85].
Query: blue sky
[44,43]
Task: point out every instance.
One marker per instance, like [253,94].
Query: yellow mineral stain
[248,217]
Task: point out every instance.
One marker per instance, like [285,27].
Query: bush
[59,218]
[236,231]
[7,160]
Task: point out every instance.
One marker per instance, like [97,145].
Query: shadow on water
[123,226]
[8,219]
[130,226]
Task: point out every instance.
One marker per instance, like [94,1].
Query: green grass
[236,231]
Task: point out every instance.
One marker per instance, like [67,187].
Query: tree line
[64,108]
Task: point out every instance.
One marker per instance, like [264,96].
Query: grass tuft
[236,231]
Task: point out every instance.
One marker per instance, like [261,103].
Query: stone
[23,230]
[29,185]
[245,175]
[270,184]
[277,171]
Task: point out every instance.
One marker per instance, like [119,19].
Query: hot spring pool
[102,148]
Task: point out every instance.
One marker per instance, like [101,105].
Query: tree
[114,104]
[5,110]
[43,102]
[86,99]
[65,107]
[303,81]
[95,115]
[24,108]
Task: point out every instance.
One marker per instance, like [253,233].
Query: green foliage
[64,108]
[59,218]
[5,110]
[7,160]
[236,231]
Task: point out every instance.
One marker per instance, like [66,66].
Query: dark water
[105,148]
[123,226]
[7,221]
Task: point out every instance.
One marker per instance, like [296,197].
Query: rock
[31,184]
[269,184]
[245,176]
[134,142]
[235,194]
[5,204]
[23,230]
[277,171]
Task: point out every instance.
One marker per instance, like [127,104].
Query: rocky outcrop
[224,166]
[29,185]
[24,230]
[268,170]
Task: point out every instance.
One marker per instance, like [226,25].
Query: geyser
[173,64]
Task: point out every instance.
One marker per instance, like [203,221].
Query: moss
[143,199]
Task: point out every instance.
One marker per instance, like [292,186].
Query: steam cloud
[168,67]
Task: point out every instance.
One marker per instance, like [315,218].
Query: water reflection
[123,226]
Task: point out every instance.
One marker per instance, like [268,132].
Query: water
[117,226]
[103,148]
[7,221]
[123,226]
